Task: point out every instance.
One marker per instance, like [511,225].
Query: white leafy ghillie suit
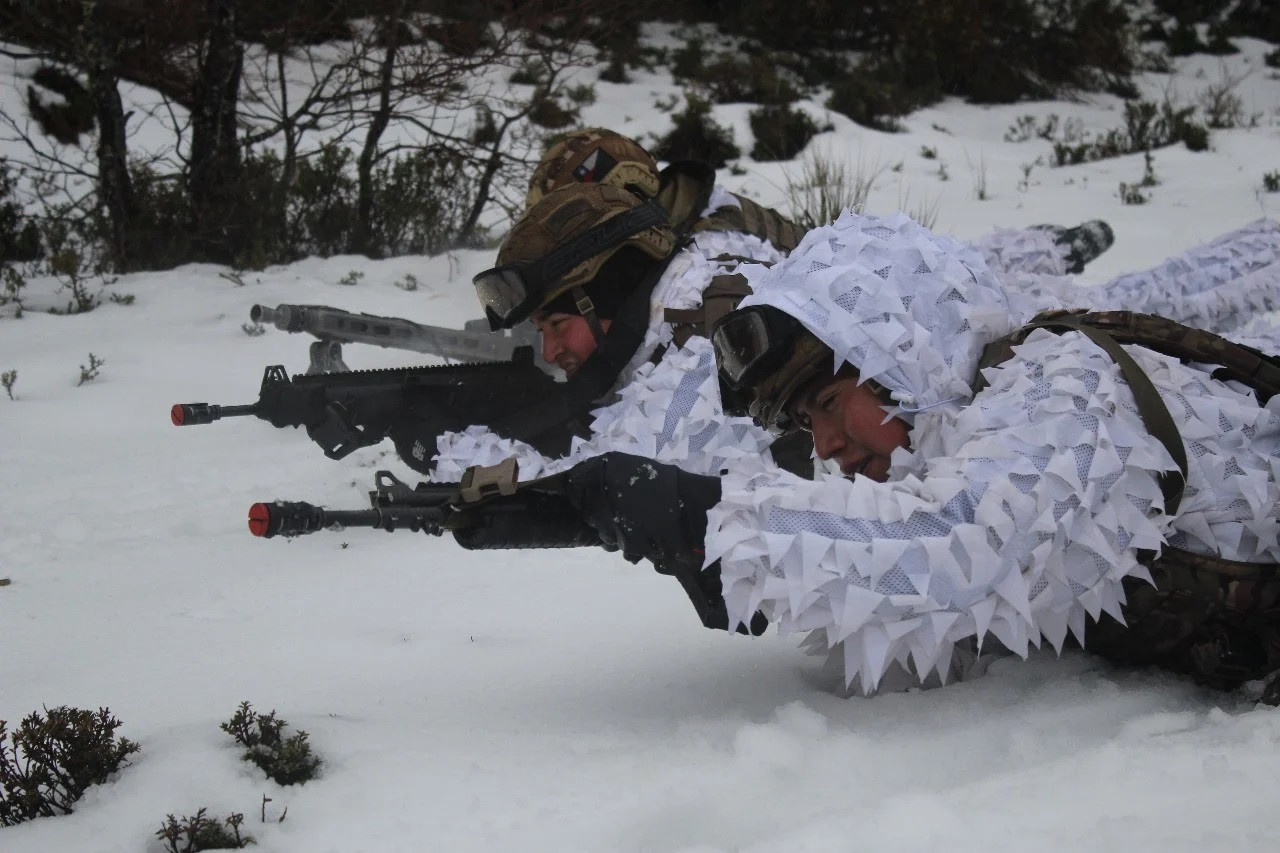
[1017,511]
[1220,286]
[672,411]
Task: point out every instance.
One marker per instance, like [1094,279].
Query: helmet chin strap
[587,309]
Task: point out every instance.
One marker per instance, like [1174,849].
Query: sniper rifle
[335,327]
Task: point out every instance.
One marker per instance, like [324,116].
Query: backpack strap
[1151,408]
[1214,619]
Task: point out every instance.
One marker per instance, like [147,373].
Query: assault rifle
[486,510]
[489,509]
[412,405]
[334,327]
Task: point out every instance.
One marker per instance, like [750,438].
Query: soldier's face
[566,339]
[848,425]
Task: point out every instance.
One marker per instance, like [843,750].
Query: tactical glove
[654,511]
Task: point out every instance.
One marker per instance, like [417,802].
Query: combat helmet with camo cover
[569,235]
[601,156]
[594,155]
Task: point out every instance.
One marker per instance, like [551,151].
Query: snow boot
[1084,242]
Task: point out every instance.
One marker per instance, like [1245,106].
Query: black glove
[648,509]
[654,511]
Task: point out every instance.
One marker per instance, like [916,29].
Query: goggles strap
[587,309]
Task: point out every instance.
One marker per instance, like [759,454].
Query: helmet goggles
[767,356]
[510,293]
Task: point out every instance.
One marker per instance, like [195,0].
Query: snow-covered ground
[456,704]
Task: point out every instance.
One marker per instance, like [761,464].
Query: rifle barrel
[192,414]
[296,518]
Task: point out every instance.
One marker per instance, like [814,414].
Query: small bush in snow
[49,761]
[734,78]
[1149,178]
[1026,127]
[1131,194]
[8,379]
[191,834]
[874,95]
[352,278]
[696,136]
[548,112]
[1273,58]
[781,132]
[1222,107]
[287,761]
[1147,126]
[90,373]
[1271,182]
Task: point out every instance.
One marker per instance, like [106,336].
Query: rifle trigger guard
[480,481]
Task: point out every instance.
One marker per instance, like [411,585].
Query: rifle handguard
[528,519]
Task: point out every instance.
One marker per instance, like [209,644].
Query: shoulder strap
[751,218]
[1151,408]
[720,296]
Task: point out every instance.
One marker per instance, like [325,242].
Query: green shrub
[687,61]
[49,761]
[732,79]
[286,761]
[528,74]
[781,132]
[696,136]
[19,236]
[1271,182]
[1147,126]
[198,833]
[548,112]
[162,212]
[876,93]
[420,200]
[322,206]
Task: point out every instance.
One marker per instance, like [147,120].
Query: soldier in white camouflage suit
[1021,502]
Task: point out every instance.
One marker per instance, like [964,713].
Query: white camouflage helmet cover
[907,308]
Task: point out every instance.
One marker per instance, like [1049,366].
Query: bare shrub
[923,211]
[826,185]
[1223,108]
